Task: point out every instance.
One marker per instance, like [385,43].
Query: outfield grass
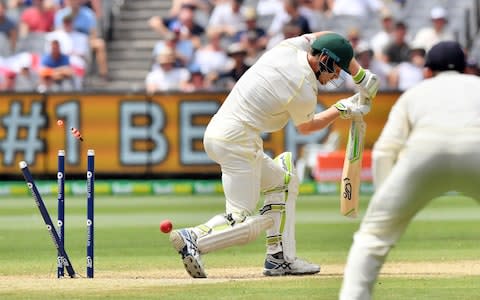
[438,258]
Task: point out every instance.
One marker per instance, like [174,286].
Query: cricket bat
[352,167]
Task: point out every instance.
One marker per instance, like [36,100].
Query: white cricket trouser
[246,169]
[421,174]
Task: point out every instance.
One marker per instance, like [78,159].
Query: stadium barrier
[156,187]
[137,135]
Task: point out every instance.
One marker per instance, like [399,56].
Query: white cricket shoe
[276,265]
[185,242]
[303,267]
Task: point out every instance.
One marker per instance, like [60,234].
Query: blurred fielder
[281,85]
[429,146]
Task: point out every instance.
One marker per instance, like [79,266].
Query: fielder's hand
[368,84]
[355,106]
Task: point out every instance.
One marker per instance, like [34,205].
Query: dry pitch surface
[127,280]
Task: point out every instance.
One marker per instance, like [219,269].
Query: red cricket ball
[166,226]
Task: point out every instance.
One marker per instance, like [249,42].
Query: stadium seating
[132,42]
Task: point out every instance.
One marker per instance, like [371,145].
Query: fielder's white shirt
[428,117]
[280,86]
[437,126]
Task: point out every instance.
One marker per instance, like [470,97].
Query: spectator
[204,5]
[228,17]
[103,19]
[238,66]
[74,44]
[357,8]
[409,73]
[37,18]
[9,66]
[84,21]
[252,43]
[325,7]
[269,7]
[397,50]
[211,57]
[167,77]
[382,38]
[250,16]
[311,12]
[7,81]
[184,48]
[198,81]
[15,8]
[189,29]
[55,70]
[9,29]
[354,37]
[437,32]
[291,29]
[27,79]
[290,13]
[365,56]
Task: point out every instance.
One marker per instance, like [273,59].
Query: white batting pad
[238,234]
[288,239]
[280,203]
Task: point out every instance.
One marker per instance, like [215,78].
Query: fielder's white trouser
[419,176]
[246,172]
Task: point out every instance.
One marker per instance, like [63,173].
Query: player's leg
[240,165]
[410,186]
[221,231]
[466,170]
[280,186]
[185,242]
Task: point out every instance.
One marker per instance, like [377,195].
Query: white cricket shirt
[280,86]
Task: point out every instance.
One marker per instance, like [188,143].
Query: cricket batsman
[280,86]
[429,146]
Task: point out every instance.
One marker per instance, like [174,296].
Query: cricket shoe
[185,242]
[276,265]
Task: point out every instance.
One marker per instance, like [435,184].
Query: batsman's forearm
[354,67]
[319,121]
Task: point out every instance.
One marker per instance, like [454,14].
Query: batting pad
[239,234]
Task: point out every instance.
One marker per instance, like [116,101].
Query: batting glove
[355,106]
[367,82]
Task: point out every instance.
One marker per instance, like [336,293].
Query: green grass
[133,259]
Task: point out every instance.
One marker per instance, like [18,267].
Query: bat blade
[352,166]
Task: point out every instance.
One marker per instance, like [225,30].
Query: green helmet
[336,47]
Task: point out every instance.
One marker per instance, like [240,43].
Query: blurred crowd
[48,45]
[57,45]
[209,44]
